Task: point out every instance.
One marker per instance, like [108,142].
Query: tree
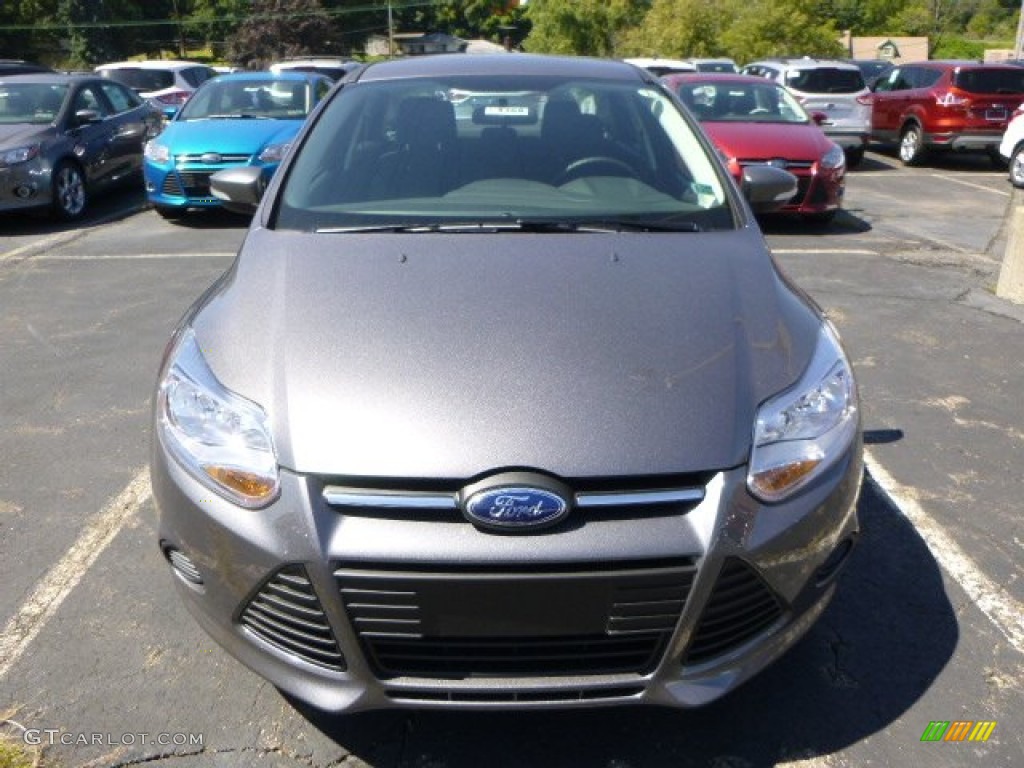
[761,28]
[677,28]
[280,28]
[582,27]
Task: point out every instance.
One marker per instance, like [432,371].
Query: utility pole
[390,31]
[1020,33]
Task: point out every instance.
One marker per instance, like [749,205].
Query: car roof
[51,78]
[516,64]
[265,76]
[807,63]
[716,77]
[152,64]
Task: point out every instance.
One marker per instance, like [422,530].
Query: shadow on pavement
[877,649]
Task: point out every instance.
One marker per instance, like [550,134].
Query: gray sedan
[507,411]
[64,137]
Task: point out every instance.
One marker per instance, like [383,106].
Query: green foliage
[959,48]
[280,28]
[581,27]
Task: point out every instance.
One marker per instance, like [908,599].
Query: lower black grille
[171,187]
[196,183]
[741,605]
[516,696]
[286,613]
[541,621]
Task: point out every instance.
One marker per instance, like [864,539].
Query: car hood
[23,133]
[764,141]
[226,137]
[449,355]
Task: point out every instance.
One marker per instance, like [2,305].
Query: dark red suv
[948,105]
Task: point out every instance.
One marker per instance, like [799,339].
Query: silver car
[834,89]
[65,137]
[513,411]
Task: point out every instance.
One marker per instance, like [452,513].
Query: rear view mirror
[767,189]
[239,188]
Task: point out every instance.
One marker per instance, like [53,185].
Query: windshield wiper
[234,116]
[607,225]
[545,226]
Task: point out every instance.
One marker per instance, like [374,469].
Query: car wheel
[854,156]
[69,195]
[1017,166]
[997,160]
[911,145]
[168,212]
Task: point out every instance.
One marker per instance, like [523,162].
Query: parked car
[64,138]
[873,70]
[167,84]
[834,88]
[334,67]
[20,67]
[946,105]
[244,119]
[659,66]
[754,121]
[1011,148]
[513,412]
[714,65]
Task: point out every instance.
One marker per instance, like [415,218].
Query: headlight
[802,431]
[834,158]
[19,155]
[222,439]
[274,153]
[158,153]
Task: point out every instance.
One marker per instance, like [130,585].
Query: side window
[87,98]
[120,97]
[926,78]
[322,88]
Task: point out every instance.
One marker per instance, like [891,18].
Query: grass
[14,755]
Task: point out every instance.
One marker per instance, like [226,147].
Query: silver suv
[834,88]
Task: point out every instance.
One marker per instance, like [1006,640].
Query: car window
[196,76]
[141,80]
[35,103]
[500,149]
[981,80]
[323,87]
[248,99]
[765,102]
[121,98]
[89,99]
[825,80]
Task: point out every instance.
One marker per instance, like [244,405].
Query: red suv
[952,105]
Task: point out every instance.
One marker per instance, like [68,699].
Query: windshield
[495,150]
[283,99]
[36,103]
[825,80]
[741,102]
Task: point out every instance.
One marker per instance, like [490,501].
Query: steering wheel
[592,166]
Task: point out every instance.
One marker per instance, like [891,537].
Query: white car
[1012,147]
[334,67]
[164,83]
[662,67]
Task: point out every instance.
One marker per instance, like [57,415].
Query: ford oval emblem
[515,508]
[210,158]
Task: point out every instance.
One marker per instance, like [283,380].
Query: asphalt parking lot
[98,659]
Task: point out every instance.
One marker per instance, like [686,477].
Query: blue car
[233,120]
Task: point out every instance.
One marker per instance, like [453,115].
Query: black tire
[169,212]
[912,150]
[70,196]
[997,160]
[1016,168]
[854,156]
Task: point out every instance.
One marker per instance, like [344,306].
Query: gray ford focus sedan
[504,403]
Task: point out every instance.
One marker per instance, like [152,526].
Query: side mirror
[240,189]
[87,117]
[170,112]
[819,117]
[767,189]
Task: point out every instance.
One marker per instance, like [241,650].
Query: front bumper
[26,185]
[675,606]
[187,185]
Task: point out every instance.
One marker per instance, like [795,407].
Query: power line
[234,18]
